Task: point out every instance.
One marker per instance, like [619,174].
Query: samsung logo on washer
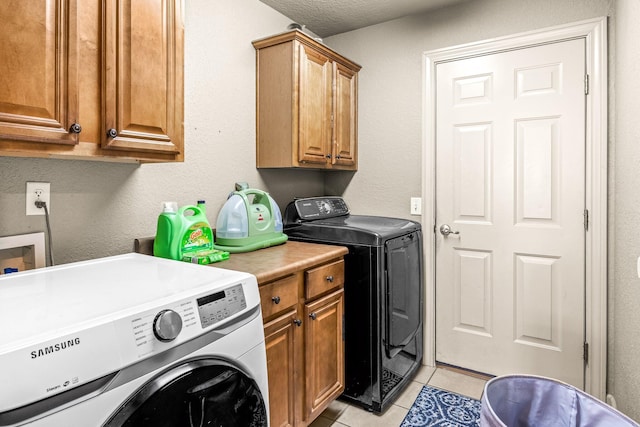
[54,347]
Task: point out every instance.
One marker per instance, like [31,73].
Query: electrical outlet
[416,206]
[38,191]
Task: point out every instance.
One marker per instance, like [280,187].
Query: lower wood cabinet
[281,353]
[324,352]
[304,315]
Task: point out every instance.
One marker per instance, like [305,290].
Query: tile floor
[341,414]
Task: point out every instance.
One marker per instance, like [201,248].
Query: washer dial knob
[167,325]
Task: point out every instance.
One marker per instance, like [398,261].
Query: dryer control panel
[314,208]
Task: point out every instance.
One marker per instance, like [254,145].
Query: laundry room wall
[391,87]
[390,122]
[624,211]
[97,209]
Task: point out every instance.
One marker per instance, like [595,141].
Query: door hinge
[585,214]
[585,354]
[586,84]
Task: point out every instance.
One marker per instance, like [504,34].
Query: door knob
[445,230]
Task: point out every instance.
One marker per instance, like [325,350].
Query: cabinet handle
[313,316]
[298,322]
[75,128]
[112,133]
[276,300]
[328,156]
[329,279]
[338,156]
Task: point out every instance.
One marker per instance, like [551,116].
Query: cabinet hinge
[586,84]
[585,354]
[585,214]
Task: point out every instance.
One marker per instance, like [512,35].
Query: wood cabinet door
[38,71]
[345,129]
[142,84]
[324,352]
[314,105]
[279,336]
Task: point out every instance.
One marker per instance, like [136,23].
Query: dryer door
[196,393]
[403,291]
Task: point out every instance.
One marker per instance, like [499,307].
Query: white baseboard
[611,401]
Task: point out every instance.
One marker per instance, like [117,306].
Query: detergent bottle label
[198,237]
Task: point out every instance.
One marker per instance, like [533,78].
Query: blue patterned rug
[435,407]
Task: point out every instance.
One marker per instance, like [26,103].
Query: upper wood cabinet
[114,68]
[38,71]
[142,77]
[306,104]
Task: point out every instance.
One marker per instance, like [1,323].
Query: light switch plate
[416,206]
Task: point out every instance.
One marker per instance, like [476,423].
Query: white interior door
[510,179]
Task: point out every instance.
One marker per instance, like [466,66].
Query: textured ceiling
[328,17]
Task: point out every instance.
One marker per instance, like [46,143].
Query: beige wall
[390,134]
[624,212]
[390,98]
[99,208]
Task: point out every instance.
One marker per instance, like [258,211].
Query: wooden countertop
[278,261]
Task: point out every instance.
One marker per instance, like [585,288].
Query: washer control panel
[218,306]
[314,208]
[153,330]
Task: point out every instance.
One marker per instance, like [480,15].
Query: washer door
[198,393]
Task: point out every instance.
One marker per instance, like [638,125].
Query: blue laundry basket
[525,400]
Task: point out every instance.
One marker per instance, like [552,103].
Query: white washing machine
[132,340]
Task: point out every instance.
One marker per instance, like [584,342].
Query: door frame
[594,31]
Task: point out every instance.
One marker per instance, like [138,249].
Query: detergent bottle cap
[202,205]
[169,207]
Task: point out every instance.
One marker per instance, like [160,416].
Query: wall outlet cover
[38,191]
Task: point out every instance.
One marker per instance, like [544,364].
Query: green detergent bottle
[185,237]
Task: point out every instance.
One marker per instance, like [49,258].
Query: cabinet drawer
[278,295]
[322,279]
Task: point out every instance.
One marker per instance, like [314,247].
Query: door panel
[142,75]
[315,106]
[403,292]
[279,338]
[472,146]
[324,346]
[472,291]
[510,178]
[345,117]
[39,106]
